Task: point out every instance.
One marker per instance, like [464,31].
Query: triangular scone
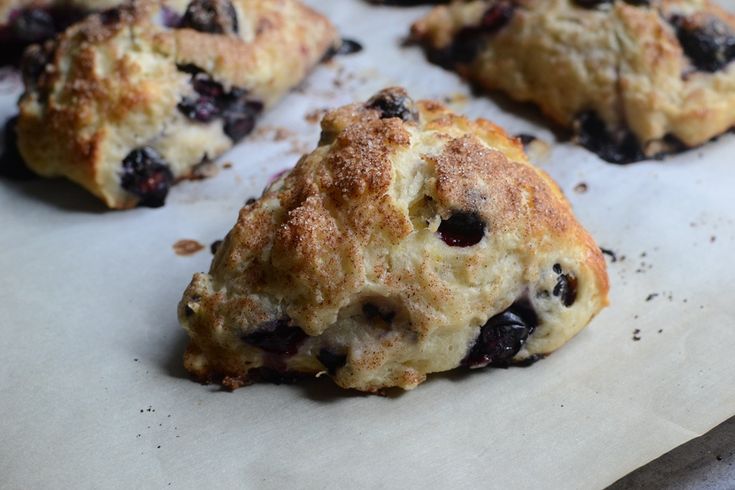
[133,99]
[411,241]
[634,79]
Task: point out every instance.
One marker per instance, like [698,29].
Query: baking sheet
[93,394]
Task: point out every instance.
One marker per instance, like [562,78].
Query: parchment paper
[93,395]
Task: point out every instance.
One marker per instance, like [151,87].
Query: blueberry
[146,175]
[566,287]
[462,229]
[12,165]
[592,133]
[526,139]
[331,360]
[277,337]
[211,16]
[373,313]
[393,102]
[469,41]
[33,26]
[240,115]
[199,108]
[497,16]
[346,47]
[211,102]
[33,64]
[710,46]
[215,246]
[503,336]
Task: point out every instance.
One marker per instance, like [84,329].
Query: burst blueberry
[145,175]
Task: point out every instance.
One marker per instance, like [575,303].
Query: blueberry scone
[633,79]
[133,99]
[24,22]
[411,241]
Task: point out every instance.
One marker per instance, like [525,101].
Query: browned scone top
[634,79]
[389,248]
[179,87]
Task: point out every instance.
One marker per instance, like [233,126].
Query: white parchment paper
[93,394]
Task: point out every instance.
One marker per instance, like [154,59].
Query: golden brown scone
[24,22]
[125,105]
[411,241]
[633,78]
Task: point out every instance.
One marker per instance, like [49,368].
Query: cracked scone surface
[133,99]
[411,241]
[634,79]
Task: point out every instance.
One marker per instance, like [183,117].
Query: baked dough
[130,100]
[411,241]
[25,22]
[634,79]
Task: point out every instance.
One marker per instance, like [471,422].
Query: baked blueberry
[11,162]
[462,229]
[393,102]
[592,133]
[146,175]
[331,360]
[566,287]
[211,16]
[373,312]
[502,336]
[33,25]
[710,45]
[277,337]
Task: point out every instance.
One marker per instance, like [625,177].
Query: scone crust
[355,223]
[622,61]
[112,83]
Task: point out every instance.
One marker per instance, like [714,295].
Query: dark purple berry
[199,108]
[373,312]
[526,139]
[462,229]
[171,18]
[566,286]
[146,175]
[211,102]
[468,42]
[710,46]
[620,147]
[502,336]
[497,16]
[211,16]
[393,102]
[215,246]
[346,47]
[240,115]
[277,337]
[33,64]
[33,26]
[331,360]
[12,165]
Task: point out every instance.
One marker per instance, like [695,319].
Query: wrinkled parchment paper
[93,394]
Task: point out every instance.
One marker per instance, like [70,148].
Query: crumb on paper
[651,296]
[636,335]
[227,165]
[581,188]
[186,247]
